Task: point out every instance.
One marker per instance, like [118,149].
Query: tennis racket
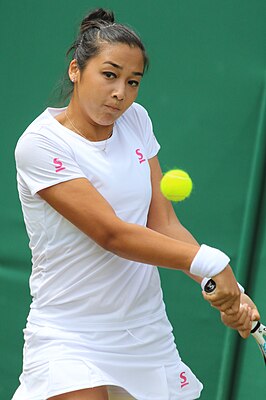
[258,330]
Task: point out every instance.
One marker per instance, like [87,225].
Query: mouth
[112,108]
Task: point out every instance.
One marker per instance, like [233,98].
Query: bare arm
[79,202]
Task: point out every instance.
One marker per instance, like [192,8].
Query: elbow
[111,237]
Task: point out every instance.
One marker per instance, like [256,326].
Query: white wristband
[205,280]
[208,262]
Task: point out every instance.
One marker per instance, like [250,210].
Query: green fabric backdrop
[205,92]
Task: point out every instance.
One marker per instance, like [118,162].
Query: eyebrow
[119,67]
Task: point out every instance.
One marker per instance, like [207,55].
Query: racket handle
[208,285]
[255,326]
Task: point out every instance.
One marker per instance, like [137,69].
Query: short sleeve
[152,145]
[143,122]
[43,162]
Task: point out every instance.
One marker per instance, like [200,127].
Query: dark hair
[97,28]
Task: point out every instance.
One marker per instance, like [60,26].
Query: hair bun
[96,18]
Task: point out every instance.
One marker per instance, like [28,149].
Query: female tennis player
[88,181]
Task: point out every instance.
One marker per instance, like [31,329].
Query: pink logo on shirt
[58,165]
[140,156]
[183,379]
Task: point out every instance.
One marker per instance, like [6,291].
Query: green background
[206,94]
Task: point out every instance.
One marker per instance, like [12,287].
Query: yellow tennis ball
[176,185]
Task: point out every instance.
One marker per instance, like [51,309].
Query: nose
[119,92]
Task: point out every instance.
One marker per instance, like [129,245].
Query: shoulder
[44,129]
[41,135]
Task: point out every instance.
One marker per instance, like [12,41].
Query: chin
[106,121]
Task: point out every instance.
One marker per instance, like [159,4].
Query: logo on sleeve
[183,380]
[140,156]
[58,165]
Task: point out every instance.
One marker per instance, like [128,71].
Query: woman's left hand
[242,321]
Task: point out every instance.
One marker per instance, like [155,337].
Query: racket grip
[208,285]
[255,326]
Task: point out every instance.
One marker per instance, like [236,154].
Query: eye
[109,75]
[133,83]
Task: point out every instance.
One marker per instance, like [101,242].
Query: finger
[235,304]
[217,301]
[239,321]
[229,308]
[255,316]
[244,322]
[228,303]
[244,333]
[230,322]
[245,329]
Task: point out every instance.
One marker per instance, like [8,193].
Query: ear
[73,71]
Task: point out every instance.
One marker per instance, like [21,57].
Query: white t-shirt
[76,284]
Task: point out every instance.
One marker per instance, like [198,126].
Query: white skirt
[142,362]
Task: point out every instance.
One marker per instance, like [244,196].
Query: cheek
[134,94]
[91,101]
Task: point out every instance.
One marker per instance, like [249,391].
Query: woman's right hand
[242,322]
[226,297]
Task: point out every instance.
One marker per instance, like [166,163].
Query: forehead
[122,55]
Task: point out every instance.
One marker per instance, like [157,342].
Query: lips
[114,108]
